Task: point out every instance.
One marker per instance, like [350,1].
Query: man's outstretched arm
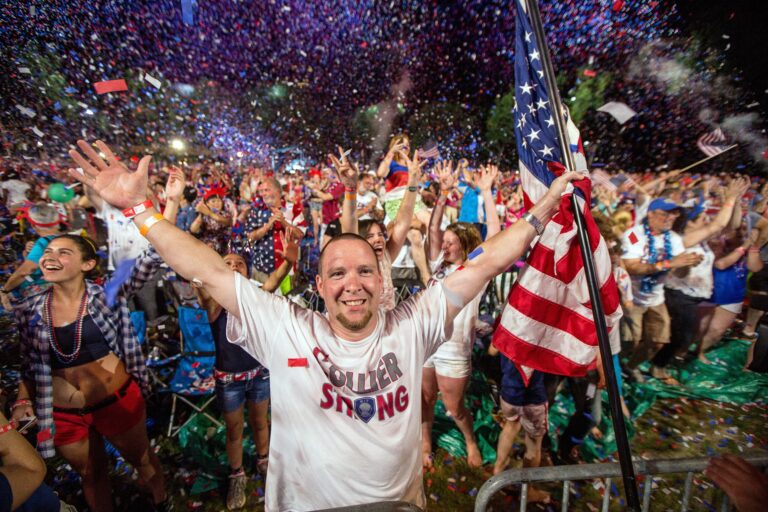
[186,255]
[499,252]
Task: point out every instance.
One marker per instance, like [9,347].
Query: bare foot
[537,495]
[659,373]
[704,359]
[474,457]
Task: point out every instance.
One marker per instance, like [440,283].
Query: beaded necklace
[60,355]
[649,281]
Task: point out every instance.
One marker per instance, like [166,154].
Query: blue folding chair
[193,382]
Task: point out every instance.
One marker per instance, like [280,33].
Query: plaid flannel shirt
[115,324]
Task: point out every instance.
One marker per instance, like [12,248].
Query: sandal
[749,337]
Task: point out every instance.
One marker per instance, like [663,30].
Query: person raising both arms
[344,383]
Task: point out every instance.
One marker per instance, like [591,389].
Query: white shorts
[452,368]
[734,308]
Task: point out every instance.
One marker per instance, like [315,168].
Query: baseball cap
[664,204]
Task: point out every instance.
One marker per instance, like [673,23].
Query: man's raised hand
[110,178]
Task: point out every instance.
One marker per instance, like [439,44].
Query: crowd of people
[249,244]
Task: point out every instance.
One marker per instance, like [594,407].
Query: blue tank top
[730,284]
[230,358]
[94,346]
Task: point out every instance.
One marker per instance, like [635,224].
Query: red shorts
[72,425]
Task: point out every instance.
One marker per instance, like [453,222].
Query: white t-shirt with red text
[346,416]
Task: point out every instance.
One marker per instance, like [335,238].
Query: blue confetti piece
[474,254]
[119,277]
[187,12]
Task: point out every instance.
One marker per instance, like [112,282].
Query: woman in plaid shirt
[84,372]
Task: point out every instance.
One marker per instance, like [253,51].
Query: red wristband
[139,208]
[21,402]
[7,428]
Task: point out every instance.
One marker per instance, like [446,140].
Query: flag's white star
[525,144]
[541,73]
[547,151]
[526,88]
[550,121]
[534,135]
[531,108]
[528,37]
[541,103]
[535,55]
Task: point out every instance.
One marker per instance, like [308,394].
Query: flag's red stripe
[609,294]
[536,357]
[542,310]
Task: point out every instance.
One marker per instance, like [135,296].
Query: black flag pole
[622,442]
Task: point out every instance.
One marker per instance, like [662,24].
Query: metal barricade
[609,471]
[385,506]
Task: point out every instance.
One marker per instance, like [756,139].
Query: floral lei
[650,280]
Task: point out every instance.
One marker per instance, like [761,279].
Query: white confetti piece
[25,70]
[26,111]
[37,131]
[154,81]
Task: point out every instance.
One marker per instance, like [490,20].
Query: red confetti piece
[590,73]
[44,435]
[617,5]
[110,86]
[298,362]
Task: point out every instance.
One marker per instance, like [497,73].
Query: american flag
[712,143]
[547,323]
[432,152]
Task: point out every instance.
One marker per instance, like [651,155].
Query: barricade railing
[384,506]
[609,471]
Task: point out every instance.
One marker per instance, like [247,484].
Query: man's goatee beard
[354,326]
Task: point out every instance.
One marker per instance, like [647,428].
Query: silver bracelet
[535,222]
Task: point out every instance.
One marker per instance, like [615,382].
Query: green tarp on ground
[722,381]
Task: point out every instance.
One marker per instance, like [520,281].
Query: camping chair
[192,383]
